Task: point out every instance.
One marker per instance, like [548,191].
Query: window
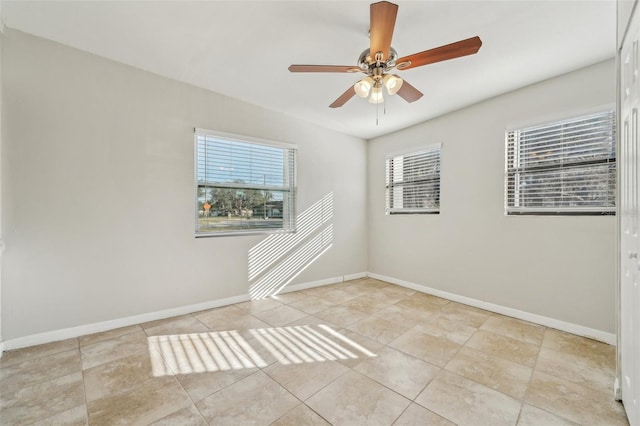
[413,182]
[568,167]
[243,185]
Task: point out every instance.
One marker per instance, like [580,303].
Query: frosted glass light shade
[376,96]
[393,83]
[363,87]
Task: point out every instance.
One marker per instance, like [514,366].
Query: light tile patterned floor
[355,353]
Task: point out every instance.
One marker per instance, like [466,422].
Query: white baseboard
[68,333]
[355,276]
[579,330]
[97,327]
[312,284]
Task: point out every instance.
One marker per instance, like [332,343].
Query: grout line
[320,415]
[287,413]
[190,398]
[549,412]
[535,364]
[501,357]
[403,411]
[9,363]
[84,387]
[519,412]
[201,322]
[135,330]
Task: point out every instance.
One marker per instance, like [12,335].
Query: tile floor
[355,353]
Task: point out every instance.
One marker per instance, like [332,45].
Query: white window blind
[568,167]
[413,182]
[243,186]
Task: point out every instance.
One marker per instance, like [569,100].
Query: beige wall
[98,190]
[562,267]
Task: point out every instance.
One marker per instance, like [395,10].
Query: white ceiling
[242,48]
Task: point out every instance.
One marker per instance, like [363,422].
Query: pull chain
[384,111]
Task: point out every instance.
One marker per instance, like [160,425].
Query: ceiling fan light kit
[363,87]
[378,66]
[376,95]
[393,83]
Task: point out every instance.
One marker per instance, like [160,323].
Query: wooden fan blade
[323,68]
[382,21]
[408,92]
[343,98]
[442,53]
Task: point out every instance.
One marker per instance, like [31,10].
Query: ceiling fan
[381,59]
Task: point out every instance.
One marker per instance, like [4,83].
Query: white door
[629,216]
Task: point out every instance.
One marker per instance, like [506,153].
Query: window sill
[243,233]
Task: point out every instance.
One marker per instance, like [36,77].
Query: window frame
[390,211]
[232,137]
[512,210]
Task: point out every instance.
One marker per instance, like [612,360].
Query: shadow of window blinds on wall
[279,258]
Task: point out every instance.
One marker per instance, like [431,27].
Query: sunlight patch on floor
[228,350]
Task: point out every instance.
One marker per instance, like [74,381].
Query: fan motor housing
[368,63]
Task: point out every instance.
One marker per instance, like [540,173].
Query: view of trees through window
[243,186]
[239,208]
